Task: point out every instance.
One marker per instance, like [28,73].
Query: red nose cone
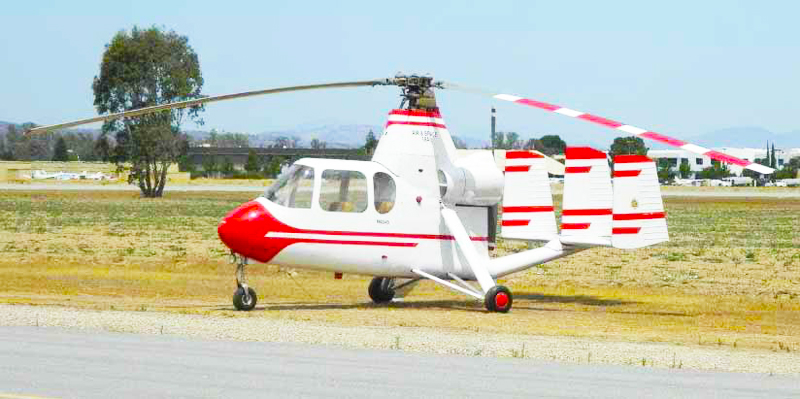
[243,230]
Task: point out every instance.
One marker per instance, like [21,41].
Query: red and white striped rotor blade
[633,130]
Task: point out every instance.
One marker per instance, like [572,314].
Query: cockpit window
[343,191]
[385,192]
[294,188]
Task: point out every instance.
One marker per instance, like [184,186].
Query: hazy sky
[678,67]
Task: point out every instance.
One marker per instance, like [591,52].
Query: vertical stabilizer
[528,212]
[639,218]
[586,210]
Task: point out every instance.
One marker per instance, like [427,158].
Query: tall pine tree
[60,152]
[774,162]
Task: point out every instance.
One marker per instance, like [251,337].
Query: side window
[384,192]
[343,191]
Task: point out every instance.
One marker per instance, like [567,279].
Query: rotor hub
[417,91]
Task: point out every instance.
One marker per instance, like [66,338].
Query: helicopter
[419,211]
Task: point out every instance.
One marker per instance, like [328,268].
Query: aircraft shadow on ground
[577,299]
[521,300]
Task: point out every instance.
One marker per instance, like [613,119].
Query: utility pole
[494,121]
[492,222]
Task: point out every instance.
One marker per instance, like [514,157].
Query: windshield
[294,188]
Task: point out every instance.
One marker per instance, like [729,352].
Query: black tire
[239,301]
[380,290]
[498,299]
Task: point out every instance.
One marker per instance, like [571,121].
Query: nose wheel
[244,298]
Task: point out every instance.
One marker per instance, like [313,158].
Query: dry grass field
[730,276]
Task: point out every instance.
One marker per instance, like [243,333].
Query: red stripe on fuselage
[512,209]
[407,112]
[377,243]
[382,235]
[429,124]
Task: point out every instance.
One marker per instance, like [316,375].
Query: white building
[698,162]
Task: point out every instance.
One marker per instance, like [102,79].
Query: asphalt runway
[39,362]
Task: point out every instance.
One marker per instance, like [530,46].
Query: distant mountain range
[353,135]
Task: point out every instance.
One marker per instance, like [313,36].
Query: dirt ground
[729,276]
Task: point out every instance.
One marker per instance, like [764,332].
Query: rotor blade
[199,101]
[636,131]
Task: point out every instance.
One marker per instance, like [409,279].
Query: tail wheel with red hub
[498,299]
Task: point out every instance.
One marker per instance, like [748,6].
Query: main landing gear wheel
[381,289]
[244,299]
[498,299]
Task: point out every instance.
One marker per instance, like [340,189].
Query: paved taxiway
[59,363]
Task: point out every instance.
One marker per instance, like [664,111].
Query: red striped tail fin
[528,212]
[588,197]
[639,219]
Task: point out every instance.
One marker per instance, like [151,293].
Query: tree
[209,165]
[716,171]
[273,167]
[227,167]
[774,161]
[628,146]
[142,68]
[317,144]
[550,145]
[506,141]
[498,140]
[3,151]
[370,143]
[213,138]
[512,141]
[102,148]
[60,154]
[664,171]
[252,162]
[7,146]
[685,170]
[531,144]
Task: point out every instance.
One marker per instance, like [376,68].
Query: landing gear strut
[381,289]
[244,298]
